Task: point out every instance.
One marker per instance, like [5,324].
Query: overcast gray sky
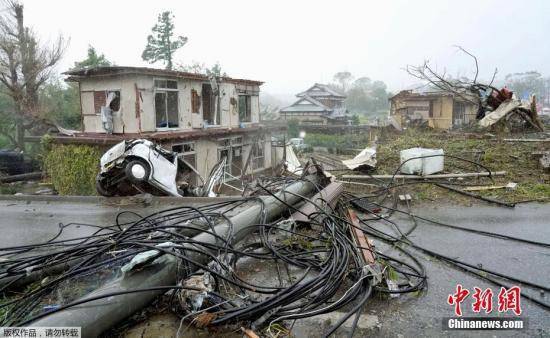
[292,44]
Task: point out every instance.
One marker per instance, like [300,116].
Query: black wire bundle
[332,277]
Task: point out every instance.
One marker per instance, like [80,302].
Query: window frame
[248,107]
[183,144]
[260,147]
[166,90]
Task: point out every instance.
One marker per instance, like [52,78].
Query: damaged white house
[201,118]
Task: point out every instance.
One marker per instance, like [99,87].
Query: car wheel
[137,171]
[102,188]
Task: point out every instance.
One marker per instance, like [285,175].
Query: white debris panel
[421,161]
[292,163]
[366,157]
[502,111]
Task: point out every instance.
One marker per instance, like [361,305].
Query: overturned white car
[139,165]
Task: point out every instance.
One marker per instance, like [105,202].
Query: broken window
[166,103]
[100,99]
[195,102]
[237,141]
[225,152]
[232,150]
[258,155]
[209,105]
[236,160]
[245,108]
[186,151]
[459,110]
[184,148]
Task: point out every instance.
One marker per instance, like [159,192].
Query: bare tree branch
[475,59]
[25,63]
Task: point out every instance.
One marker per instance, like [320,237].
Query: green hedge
[348,141]
[72,168]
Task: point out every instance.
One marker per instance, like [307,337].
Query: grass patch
[337,143]
[513,157]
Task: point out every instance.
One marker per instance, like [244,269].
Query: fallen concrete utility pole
[329,194]
[98,315]
[419,177]
[22,177]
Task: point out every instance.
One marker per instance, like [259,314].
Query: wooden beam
[526,140]
[361,239]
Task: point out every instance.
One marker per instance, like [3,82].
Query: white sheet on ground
[366,157]
[292,163]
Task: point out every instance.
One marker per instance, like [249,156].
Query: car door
[163,172]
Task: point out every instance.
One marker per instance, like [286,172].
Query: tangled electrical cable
[378,197]
[328,270]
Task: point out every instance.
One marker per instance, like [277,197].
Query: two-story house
[202,118]
[319,105]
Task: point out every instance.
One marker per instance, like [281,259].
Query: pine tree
[93,59]
[160,46]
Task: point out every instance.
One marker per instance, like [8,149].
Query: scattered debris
[502,111]
[366,158]
[292,163]
[195,292]
[511,186]
[405,198]
[144,258]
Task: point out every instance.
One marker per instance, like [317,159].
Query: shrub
[355,141]
[72,168]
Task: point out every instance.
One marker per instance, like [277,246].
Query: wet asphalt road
[24,222]
[422,315]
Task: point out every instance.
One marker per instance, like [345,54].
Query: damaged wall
[442,111]
[137,114]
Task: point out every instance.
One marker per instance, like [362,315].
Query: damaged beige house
[201,118]
[439,109]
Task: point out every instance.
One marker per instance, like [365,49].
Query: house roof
[424,93]
[80,74]
[306,104]
[321,90]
